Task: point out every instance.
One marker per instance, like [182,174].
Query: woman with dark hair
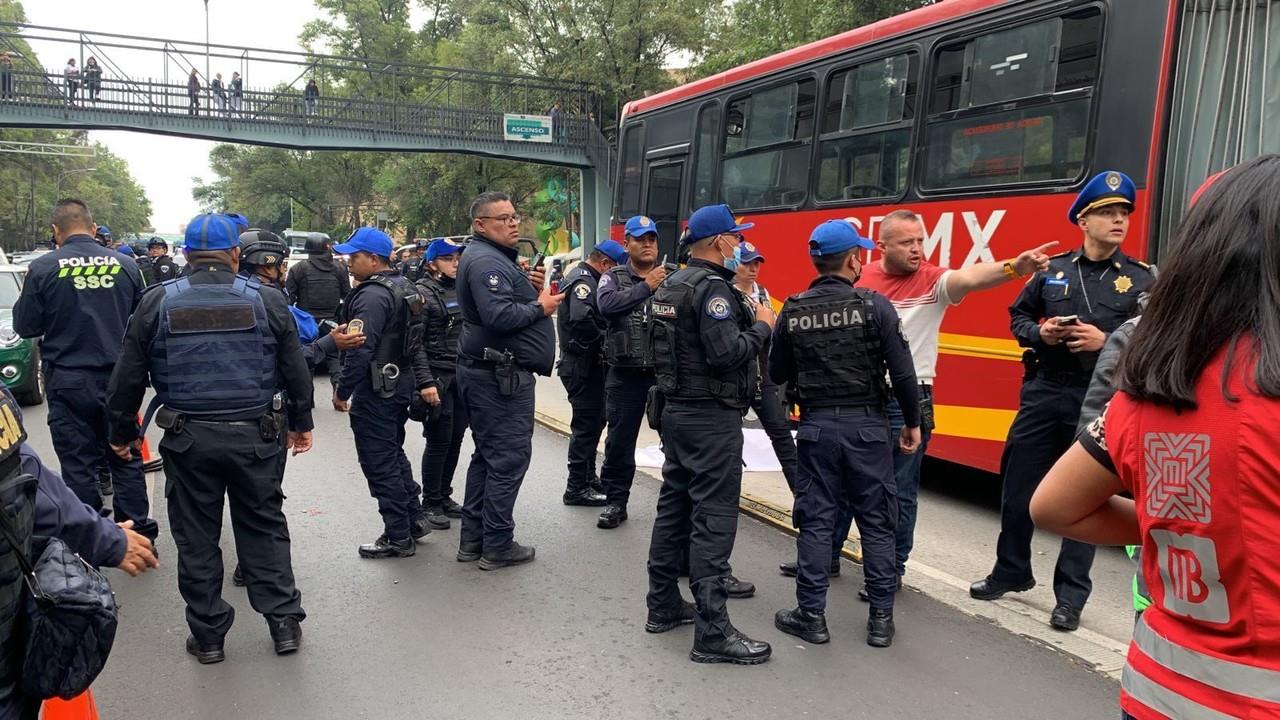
[92,78]
[1191,437]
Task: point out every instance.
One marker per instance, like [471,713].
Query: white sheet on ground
[757,453]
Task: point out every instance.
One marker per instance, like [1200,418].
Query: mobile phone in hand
[1068,320]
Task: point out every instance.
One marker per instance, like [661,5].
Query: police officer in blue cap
[79,298]
[103,236]
[834,345]
[444,416]
[217,346]
[624,299]
[706,341]
[582,369]
[507,337]
[1063,317]
[379,375]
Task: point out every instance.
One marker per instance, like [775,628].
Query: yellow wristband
[1010,271]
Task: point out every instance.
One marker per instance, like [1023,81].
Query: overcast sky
[165,165]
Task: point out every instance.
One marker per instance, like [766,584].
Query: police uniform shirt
[893,343]
[1103,293]
[376,307]
[500,308]
[579,320]
[164,268]
[614,301]
[129,380]
[79,297]
[726,347]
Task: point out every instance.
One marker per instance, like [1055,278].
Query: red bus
[985,117]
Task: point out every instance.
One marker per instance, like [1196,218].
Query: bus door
[664,181]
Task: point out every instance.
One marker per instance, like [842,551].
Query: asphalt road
[559,638]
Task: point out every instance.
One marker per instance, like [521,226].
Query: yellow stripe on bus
[972,422]
[979,346]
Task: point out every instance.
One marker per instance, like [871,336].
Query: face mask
[733,261]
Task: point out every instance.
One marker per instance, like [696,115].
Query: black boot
[286,633]
[990,588]
[660,621]
[386,548]
[791,569]
[1064,618]
[612,517]
[469,552]
[804,624]
[880,628]
[420,528]
[585,497]
[205,654]
[451,508]
[737,589]
[436,519]
[737,649]
[517,554]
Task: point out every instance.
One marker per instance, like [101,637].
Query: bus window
[662,204]
[1035,81]
[705,156]
[631,161]
[763,165]
[865,146]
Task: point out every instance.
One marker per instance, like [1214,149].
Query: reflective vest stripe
[63,272]
[1163,700]
[115,269]
[1236,678]
[76,271]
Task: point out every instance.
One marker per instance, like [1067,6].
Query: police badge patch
[718,308]
[492,279]
[604,280]
[581,291]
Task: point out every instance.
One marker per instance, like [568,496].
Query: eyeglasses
[508,219]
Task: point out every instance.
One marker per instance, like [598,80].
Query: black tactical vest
[442,320]
[320,291]
[404,328]
[568,339]
[835,344]
[679,360]
[626,343]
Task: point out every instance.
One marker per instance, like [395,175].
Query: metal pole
[206,43]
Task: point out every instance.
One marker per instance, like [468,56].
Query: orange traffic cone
[80,707]
[149,463]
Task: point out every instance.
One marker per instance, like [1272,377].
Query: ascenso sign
[528,128]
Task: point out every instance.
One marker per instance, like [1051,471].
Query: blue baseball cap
[125,250]
[209,231]
[836,236]
[748,253]
[440,246]
[640,225]
[1106,188]
[367,239]
[712,220]
[614,251]
[241,221]
[103,232]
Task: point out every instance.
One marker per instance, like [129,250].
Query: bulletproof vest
[572,344]
[214,353]
[320,292]
[836,355]
[18,502]
[404,331]
[679,359]
[442,323]
[625,344]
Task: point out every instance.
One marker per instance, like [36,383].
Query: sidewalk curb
[1102,654]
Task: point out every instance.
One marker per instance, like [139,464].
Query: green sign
[528,128]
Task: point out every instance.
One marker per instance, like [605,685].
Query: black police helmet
[316,244]
[262,247]
[157,242]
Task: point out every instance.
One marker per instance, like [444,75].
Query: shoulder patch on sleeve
[718,307]
[492,280]
[605,279]
[581,291]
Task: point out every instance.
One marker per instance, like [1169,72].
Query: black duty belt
[468,361]
[842,410]
[1063,377]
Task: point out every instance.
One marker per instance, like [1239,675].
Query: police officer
[79,298]
[506,337]
[318,285]
[103,236]
[834,345]
[1062,316]
[222,421]
[445,420]
[582,370]
[379,375]
[411,266]
[706,341]
[163,268]
[624,300]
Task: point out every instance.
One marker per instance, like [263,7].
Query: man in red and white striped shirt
[921,292]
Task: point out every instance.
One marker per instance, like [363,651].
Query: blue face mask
[733,261]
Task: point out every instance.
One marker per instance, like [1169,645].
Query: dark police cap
[1106,188]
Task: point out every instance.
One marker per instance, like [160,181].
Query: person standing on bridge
[237,91]
[310,96]
[193,93]
[506,338]
[6,75]
[218,347]
[219,93]
[79,298]
[71,74]
[1063,317]
[92,79]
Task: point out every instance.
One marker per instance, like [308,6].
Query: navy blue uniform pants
[697,509]
[502,429]
[78,425]
[378,426]
[1042,431]
[444,444]
[203,463]
[583,380]
[845,466]
[626,394]
[771,410]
